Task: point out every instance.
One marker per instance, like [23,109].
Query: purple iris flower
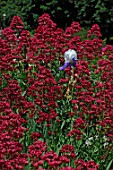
[68,64]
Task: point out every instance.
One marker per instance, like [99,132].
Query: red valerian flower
[17,23]
[95,30]
[88,165]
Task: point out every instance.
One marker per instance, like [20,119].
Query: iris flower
[70,58]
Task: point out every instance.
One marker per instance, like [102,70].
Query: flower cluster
[11,130]
[53,119]
[95,30]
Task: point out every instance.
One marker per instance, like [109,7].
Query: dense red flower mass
[52,119]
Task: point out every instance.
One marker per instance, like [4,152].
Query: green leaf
[109,165]
[23,93]
[63,123]
[43,7]
[59,8]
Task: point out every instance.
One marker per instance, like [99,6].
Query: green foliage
[15,7]
[83,33]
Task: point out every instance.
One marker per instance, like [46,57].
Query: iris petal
[64,66]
